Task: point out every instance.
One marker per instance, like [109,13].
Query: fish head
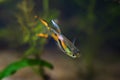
[75,53]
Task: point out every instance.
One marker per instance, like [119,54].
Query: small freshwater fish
[64,44]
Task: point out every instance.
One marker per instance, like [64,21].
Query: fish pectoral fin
[42,35]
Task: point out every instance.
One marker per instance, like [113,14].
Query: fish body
[64,43]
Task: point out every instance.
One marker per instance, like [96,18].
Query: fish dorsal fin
[74,40]
[55,25]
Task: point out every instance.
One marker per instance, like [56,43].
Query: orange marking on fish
[45,23]
[55,37]
[43,35]
[63,44]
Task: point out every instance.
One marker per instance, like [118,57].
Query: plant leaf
[15,66]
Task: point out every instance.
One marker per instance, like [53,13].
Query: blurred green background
[95,24]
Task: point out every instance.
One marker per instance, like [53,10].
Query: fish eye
[73,55]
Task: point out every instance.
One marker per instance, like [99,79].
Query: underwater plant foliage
[24,29]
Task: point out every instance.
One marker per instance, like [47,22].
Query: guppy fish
[64,44]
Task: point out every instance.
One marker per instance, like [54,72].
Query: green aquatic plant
[28,27]
[15,66]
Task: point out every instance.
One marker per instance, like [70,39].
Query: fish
[65,45]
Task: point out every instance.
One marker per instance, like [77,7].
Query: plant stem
[41,69]
[45,7]
[38,56]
